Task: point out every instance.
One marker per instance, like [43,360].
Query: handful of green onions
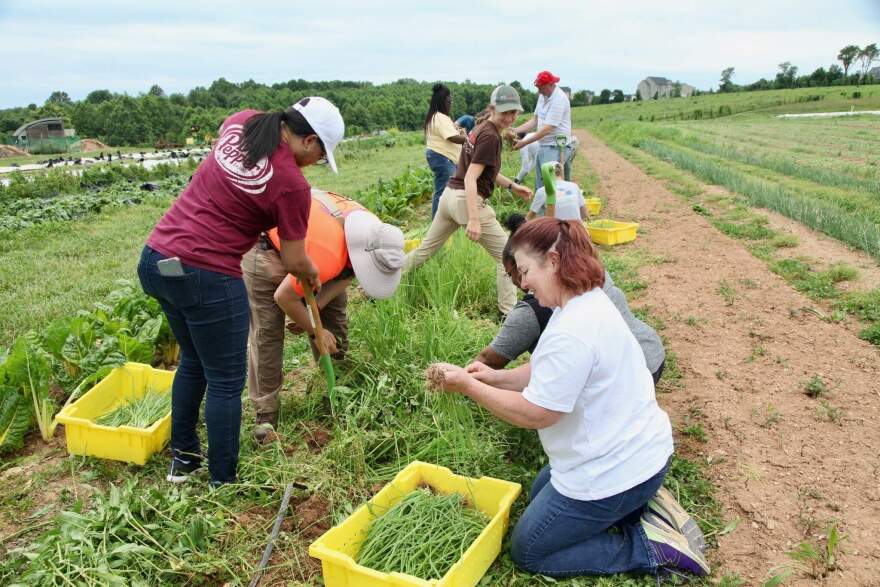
[140,412]
[423,535]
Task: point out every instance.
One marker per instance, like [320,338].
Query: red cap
[545,77]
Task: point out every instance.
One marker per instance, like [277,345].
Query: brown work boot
[264,428]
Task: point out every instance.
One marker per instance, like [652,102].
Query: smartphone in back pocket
[170,267]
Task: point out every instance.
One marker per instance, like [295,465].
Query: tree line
[835,75]
[787,77]
[120,119]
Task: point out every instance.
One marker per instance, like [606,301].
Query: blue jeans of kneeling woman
[208,314]
[443,169]
[562,537]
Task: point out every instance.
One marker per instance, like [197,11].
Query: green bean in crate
[423,535]
[140,412]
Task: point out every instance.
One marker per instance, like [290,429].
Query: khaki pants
[452,214]
[263,273]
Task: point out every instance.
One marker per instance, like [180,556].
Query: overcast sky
[82,45]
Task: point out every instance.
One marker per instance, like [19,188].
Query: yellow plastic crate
[617,233]
[339,546]
[411,244]
[594,205]
[124,443]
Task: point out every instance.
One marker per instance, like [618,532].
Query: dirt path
[746,350]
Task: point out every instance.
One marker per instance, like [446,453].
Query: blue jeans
[208,313]
[443,169]
[562,537]
[551,153]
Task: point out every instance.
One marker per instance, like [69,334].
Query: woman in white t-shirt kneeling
[589,393]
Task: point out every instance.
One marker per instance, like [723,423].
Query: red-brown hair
[579,267]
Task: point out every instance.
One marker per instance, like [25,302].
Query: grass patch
[815,284]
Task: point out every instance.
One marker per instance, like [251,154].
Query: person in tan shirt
[443,141]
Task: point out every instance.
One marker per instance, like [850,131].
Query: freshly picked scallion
[140,412]
[422,535]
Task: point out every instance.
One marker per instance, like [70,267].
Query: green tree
[98,96]
[847,55]
[617,96]
[834,74]
[786,76]
[867,56]
[59,97]
[726,84]
[156,90]
[819,77]
[580,98]
[604,97]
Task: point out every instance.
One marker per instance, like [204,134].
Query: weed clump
[815,387]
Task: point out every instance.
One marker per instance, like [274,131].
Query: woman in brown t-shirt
[465,200]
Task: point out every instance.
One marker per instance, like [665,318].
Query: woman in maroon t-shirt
[252,181]
[465,201]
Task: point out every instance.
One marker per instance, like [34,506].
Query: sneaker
[181,469]
[264,428]
[667,507]
[671,548]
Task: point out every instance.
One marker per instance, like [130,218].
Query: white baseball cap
[376,253]
[325,120]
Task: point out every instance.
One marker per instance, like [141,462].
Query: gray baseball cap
[505,98]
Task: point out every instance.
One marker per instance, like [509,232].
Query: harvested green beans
[141,412]
[423,535]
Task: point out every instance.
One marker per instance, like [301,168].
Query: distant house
[629,97]
[566,90]
[659,87]
[875,73]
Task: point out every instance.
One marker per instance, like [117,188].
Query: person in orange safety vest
[345,241]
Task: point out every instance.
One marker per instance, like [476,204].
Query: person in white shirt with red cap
[552,118]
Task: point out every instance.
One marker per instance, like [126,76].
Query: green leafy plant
[389,199]
[819,560]
[27,370]
[15,419]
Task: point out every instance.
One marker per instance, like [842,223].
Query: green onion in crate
[602,224]
[422,535]
[140,412]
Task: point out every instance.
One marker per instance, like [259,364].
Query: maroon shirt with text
[226,206]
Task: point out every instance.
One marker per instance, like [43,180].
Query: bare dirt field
[784,463]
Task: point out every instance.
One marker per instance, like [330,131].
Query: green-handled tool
[561,142]
[548,173]
[324,360]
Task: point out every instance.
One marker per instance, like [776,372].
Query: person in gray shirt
[527,320]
